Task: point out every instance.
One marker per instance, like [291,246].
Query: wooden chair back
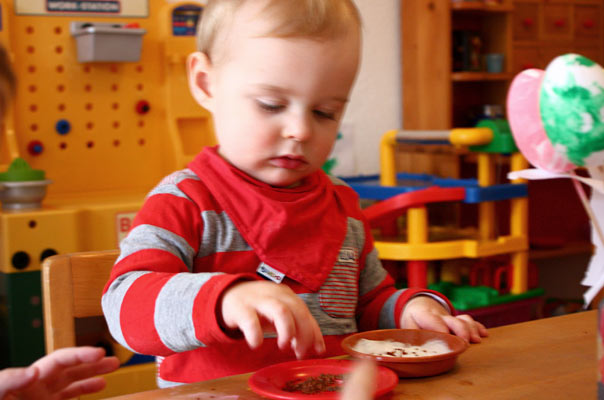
[72,286]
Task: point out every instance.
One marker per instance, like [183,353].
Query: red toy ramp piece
[389,209]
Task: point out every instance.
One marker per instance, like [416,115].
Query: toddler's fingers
[459,327]
[482,330]
[477,330]
[319,344]
[249,324]
[280,316]
[430,322]
[308,333]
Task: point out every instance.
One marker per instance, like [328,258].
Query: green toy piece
[503,141]
[465,297]
[329,165]
[19,171]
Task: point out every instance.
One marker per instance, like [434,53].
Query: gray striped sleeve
[220,235]
[112,303]
[144,237]
[169,185]
[386,320]
[373,273]
[174,311]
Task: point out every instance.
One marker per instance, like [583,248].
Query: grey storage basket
[106,42]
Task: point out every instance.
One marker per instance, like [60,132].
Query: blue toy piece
[368,187]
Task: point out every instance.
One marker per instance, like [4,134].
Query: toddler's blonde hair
[293,18]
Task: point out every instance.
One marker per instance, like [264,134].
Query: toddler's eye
[270,107]
[325,114]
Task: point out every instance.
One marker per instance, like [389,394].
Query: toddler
[252,255]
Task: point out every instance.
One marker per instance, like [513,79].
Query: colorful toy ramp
[413,240]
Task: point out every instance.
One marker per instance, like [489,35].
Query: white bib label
[270,273]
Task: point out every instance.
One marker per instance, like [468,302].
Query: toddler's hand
[423,312]
[260,306]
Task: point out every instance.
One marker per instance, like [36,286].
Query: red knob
[143,107]
[559,23]
[588,23]
[35,147]
[528,22]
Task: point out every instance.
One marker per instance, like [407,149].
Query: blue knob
[63,127]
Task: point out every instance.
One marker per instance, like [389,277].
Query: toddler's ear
[199,67]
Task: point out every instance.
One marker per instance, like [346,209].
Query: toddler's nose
[299,128]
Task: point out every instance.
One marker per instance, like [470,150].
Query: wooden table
[552,358]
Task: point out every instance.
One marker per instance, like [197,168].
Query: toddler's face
[277,102]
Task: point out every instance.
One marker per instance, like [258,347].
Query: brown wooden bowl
[408,367]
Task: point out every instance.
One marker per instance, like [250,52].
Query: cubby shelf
[481,6]
[479,76]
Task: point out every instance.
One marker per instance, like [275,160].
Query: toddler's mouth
[289,162]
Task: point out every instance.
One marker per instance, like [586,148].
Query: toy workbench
[103,108]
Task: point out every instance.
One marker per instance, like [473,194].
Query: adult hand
[62,374]
[362,382]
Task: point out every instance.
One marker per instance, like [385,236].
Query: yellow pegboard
[104,132]
[110,147]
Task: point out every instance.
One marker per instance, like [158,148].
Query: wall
[375,104]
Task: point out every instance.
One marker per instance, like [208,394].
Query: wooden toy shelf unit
[105,124]
[439,92]
[443,89]
[445,45]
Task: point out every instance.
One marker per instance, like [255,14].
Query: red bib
[298,231]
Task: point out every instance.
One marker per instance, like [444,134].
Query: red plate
[270,380]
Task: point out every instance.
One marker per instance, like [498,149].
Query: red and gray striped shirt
[184,250]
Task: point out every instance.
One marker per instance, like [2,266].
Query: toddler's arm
[423,312]
[260,306]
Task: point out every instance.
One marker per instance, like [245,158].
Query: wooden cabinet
[588,20]
[544,29]
[557,18]
[437,94]
[526,21]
